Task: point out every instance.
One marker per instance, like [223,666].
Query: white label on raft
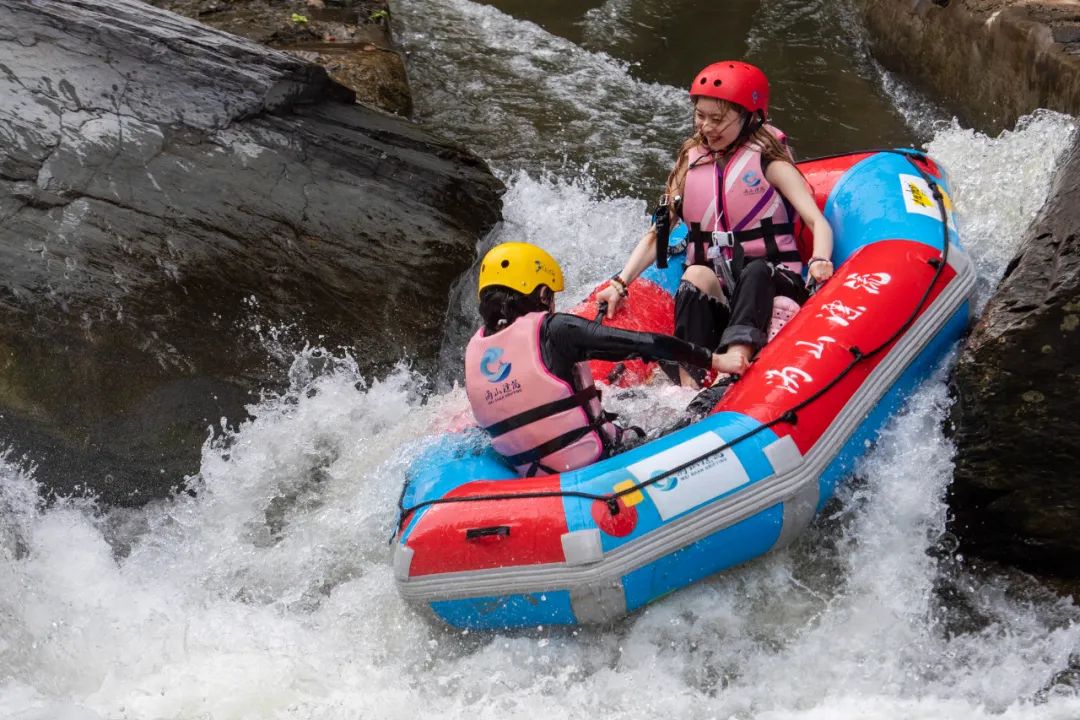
[697,484]
[919,200]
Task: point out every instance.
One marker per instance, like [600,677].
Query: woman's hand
[820,269]
[731,362]
[613,296]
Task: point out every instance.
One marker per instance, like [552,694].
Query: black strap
[662,222]
[579,399]
[767,231]
[555,444]
[740,236]
[537,466]
[761,232]
[697,236]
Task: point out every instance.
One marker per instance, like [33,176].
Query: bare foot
[686,380]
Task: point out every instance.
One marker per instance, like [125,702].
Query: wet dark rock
[171,198]
[350,38]
[1016,495]
[991,61]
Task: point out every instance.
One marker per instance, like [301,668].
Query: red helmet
[737,82]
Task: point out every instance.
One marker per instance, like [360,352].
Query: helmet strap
[752,122]
[744,133]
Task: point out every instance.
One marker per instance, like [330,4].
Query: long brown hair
[762,138]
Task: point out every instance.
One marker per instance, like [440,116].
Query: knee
[703,278]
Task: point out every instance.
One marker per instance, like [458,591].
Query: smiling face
[718,122]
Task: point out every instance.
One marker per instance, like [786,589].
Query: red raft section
[860,311]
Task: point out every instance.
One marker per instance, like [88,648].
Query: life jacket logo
[492,367]
[751,179]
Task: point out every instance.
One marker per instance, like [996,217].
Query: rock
[1015,55]
[1015,496]
[350,38]
[170,194]
[1016,426]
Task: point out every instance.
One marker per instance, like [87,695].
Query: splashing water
[267,593]
[985,170]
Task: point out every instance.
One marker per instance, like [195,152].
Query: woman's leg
[751,307]
[790,284]
[752,304]
[700,316]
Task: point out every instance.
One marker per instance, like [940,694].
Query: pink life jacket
[536,419]
[755,219]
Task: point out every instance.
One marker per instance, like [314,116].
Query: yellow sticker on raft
[630,499]
[919,200]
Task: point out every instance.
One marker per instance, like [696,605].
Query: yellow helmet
[519,266]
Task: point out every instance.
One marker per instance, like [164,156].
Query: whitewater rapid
[265,591]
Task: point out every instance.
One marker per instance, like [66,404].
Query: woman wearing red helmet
[737,189]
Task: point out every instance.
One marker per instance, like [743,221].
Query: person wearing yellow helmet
[526,371]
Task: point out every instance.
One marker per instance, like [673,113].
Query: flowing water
[266,592]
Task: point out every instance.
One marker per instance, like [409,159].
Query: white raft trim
[798,512]
[403,555]
[599,602]
[403,560]
[582,547]
[595,578]
[784,456]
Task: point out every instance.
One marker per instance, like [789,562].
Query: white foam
[1000,184]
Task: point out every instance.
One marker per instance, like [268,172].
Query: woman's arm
[570,339]
[792,185]
[643,254]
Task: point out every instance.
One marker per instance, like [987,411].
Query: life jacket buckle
[723,238]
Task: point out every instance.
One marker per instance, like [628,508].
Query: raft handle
[493,531]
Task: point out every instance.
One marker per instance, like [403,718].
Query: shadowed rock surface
[350,38]
[168,194]
[1015,496]
[991,61]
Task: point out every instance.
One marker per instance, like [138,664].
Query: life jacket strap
[533,455]
[767,231]
[701,241]
[579,399]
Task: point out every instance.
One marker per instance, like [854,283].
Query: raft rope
[789,416]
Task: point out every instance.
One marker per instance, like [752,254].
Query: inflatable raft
[483,548]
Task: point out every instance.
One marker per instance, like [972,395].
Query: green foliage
[299,19]
[379,15]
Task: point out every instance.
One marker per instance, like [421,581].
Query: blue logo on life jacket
[491,357]
[751,179]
